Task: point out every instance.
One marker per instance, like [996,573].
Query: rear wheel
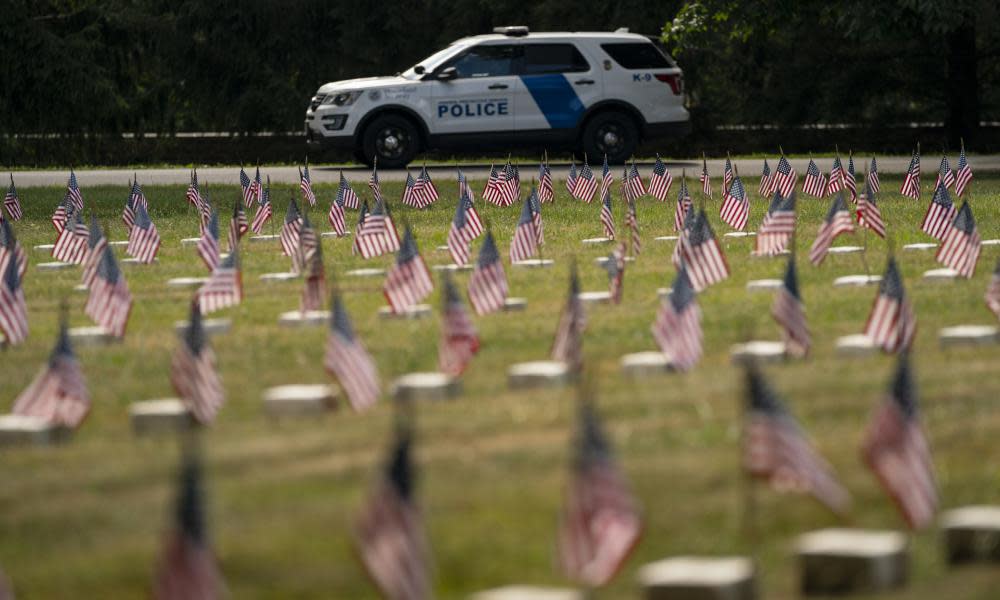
[392,139]
[612,133]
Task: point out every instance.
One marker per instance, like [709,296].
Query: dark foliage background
[104,67]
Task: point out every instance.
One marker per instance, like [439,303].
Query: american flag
[193,373]
[348,360]
[314,290]
[71,246]
[939,214]
[945,174]
[389,531]
[546,191]
[237,225]
[143,240]
[736,205]
[377,235]
[187,569]
[789,311]
[778,226]
[490,192]
[836,177]
[208,243]
[850,182]
[765,180]
[247,186]
[963,175]
[257,185]
[689,219]
[128,211]
[204,209]
[571,177]
[536,216]
[408,281]
[10,249]
[524,244]
[426,191]
[961,244]
[706,181]
[305,185]
[346,193]
[784,177]
[911,183]
[634,188]
[568,343]
[12,203]
[459,338]
[13,310]
[660,180]
[193,194]
[838,220]
[73,191]
[264,209]
[308,240]
[727,174]
[873,176]
[601,521]
[683,204]
[896,450]
[509,185]
[607,218]
[465,227]
[488,282]
[357,247]
[58,393]
[336,214]
[702,255]
[110,302]
[410,191]
[224,287]
[677,328]
[993,291]
[632,223]
[96,243]
[607,178]
[63,210]
[464,188]
[869,214]
[137,196]
[615,266]
[585,185]
[892,323]
[814,183]
[776,449]
[289,236]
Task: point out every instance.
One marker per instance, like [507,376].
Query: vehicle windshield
[434,60]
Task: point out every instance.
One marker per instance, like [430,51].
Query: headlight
[342,98]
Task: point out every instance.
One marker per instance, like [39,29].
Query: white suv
[598,93]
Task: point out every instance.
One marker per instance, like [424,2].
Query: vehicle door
[559,83]
[474,92]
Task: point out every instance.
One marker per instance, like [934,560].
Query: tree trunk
[962,87]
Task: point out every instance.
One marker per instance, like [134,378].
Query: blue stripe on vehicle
[555,98]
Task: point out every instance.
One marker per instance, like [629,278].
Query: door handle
[584,82]
[498,86]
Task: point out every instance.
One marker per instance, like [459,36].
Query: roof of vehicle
[554,35]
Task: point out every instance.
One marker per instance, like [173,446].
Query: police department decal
[487,107]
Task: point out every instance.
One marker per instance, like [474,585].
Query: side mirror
[447,74]
[419,69]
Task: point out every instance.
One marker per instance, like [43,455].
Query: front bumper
[319,142]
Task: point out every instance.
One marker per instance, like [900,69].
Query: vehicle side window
[552,58]
[637,55]
[486,61]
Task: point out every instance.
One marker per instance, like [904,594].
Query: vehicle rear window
[553,58]
[486,61]
[637,55]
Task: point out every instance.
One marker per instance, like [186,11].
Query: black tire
[393,139]
[610,132]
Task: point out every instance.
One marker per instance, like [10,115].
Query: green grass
[86,519]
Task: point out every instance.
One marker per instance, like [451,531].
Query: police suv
[598,93]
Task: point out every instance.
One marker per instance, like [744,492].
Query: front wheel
[392,139]
[610,133]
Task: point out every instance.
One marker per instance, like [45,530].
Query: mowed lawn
[87,519]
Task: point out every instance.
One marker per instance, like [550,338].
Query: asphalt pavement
[321,174]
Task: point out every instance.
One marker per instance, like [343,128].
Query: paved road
[230,175]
